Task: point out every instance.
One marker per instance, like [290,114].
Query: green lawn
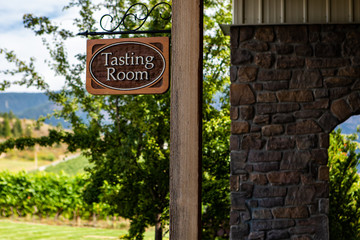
[70,167]
[27,231]
[10,230]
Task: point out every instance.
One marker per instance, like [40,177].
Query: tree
[17,130]
[28,131]
[11,115]
[6,129]
[344,214]
[127,137]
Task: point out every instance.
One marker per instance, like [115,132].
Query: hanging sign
[127,66]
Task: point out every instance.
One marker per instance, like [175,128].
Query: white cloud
[11,12]
[13,36]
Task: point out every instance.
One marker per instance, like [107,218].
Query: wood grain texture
[186,95]
[98,80]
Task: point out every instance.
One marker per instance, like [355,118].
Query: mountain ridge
[30,106]
[34,105]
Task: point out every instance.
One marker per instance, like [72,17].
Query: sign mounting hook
[129,13]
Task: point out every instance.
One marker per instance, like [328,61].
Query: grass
[70,167]
[15,160]
[19,165]
[29,231]
[11,230]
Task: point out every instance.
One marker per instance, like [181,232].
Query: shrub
[344,215]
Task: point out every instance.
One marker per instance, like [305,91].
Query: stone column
[290,87]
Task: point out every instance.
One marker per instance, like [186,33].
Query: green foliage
[215,182]
[28,131]
[6,129]
[59,126]
[11,115]
[344,215]
[38,125]
[216,122]
[46,195]
[40,194]
[17,130]
[127,137]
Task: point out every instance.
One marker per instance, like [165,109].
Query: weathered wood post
[186,99]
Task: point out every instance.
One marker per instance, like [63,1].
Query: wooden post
[185,133]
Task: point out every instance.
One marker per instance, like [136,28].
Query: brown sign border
[150,89]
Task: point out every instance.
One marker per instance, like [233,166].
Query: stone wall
[291,86]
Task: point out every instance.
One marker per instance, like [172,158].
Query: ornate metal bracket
[129,29]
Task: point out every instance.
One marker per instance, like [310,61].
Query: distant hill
[19,102]
[34,105]
[30,106]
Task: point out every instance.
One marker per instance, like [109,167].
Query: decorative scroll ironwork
[140,18]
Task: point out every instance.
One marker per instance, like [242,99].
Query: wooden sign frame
[113,74]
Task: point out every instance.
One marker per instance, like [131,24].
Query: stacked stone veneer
[291,85]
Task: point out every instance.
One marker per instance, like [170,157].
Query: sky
[13,36]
